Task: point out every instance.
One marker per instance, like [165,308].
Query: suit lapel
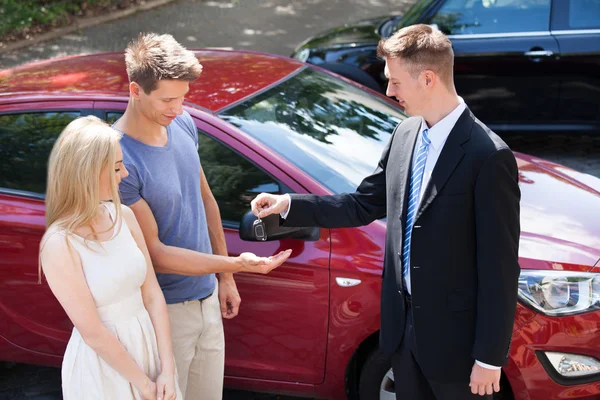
[449,158]
[405,155]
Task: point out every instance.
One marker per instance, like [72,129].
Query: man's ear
[429,78]
[135,90]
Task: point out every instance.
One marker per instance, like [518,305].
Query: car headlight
[302,55]
[559,293]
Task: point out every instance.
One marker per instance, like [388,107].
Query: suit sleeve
[345,210]
[497,197]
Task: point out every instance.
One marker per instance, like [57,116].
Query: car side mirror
[273,231]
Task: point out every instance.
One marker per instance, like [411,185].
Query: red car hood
[560,216]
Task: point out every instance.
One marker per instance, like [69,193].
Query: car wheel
[377,380]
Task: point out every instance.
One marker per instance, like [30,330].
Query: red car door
[281,331]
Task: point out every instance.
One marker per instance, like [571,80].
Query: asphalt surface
[274,26]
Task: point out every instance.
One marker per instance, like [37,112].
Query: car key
[259,230]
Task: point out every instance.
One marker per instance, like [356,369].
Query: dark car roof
[227,76]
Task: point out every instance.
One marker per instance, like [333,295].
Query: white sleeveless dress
[115,270]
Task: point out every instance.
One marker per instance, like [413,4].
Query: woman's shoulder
[54,241]
[128,217]
[127,212]
[55,232]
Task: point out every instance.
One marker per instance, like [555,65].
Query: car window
[584,14]
[26,140]
[461,17]
[329,128]
[233,180]
[113,116]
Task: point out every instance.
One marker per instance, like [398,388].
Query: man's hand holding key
[266,204]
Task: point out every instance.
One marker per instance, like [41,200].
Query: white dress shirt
[438,134]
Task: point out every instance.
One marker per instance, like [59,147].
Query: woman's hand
[165,387]
[148,390]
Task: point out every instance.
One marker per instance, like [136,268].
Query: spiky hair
[153,57]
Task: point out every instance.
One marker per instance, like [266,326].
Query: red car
[310,328]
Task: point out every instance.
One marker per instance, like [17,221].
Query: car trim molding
[22,193]
[563,32]
[498,35]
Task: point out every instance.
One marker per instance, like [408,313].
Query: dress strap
[110,207]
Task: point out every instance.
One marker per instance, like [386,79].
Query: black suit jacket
[464,247]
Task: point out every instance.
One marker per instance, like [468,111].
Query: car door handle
[347,282]
[539,53]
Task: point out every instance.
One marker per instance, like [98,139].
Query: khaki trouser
[199,347]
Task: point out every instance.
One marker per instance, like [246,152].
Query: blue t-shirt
[168,178]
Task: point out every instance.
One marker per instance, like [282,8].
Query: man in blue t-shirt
[168,192]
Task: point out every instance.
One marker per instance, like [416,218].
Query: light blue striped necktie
[414,195]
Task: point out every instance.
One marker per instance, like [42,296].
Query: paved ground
[275,26]
[581,153]
[28,382]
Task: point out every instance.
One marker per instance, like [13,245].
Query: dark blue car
[521,65]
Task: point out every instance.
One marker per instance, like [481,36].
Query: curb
[82,23]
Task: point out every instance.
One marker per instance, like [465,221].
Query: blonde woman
[95,260]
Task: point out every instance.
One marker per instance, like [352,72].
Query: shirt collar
[440,131]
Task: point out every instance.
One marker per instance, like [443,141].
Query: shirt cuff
[488,366]
[286,212]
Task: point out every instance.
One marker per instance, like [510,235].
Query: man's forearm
[216,234]
[176,260]
[215,228]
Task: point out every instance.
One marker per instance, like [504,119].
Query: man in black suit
[449,188]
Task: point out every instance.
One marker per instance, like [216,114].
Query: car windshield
[331,129]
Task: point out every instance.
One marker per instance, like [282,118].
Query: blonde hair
[153,57]
[421,47]
[84,148]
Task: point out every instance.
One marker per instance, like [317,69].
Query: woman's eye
[118,170]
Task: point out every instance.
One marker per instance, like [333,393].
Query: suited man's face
[412,92]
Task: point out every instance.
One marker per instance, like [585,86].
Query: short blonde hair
[422,48]
[153,57]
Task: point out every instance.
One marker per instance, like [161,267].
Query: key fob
[259,230]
